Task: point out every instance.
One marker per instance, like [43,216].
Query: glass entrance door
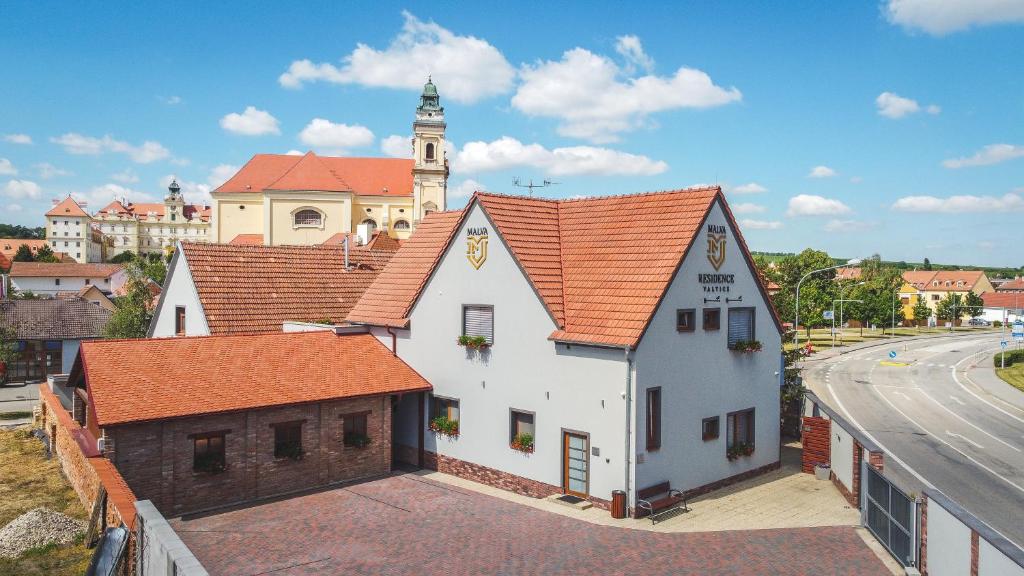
[575,471]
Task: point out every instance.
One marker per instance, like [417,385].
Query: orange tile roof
[384,242]
[592,261]
[212,374]
[1003,300]
[925,279]
[1016,284]
[62,270]
[9,247]
[141,210]
[363,176]
[257,288]
[247,240]
[67,207]
[847,273]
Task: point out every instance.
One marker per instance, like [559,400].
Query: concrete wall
[235,214]
[575,388]
[69,349]
[179,290]
[160,551]
[700,377]
[842,456]
[993,562]
[336,213]
[949,543]
[955,541]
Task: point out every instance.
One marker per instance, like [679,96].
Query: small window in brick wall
[288,440]
[208,452]
[354,430]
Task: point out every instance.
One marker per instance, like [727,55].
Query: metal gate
[891,516]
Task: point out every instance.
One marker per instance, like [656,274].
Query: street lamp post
[840,300]
[796,321]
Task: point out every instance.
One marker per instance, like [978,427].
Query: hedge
[1012,356]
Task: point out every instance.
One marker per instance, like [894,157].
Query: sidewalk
[982,374]
[824,353]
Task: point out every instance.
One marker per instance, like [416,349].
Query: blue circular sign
[892,353]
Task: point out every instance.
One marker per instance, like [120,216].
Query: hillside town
[324,362]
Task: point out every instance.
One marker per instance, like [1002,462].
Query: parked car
[979,322]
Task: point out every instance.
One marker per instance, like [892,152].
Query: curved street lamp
[796,322]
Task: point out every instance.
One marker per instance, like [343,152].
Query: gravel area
[35,528]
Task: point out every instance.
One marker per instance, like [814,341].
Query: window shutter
[741,325]
[478,321]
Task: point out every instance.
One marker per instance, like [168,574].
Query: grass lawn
[28,480]
[1014,375]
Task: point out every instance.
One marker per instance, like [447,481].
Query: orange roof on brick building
[214,374]
[67,207]
[599,265]
[247,289]
[63,270]
[310,172]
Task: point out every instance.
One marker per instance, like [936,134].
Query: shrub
[1012,357]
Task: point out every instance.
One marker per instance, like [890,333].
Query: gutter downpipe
[629,422]
[394,341]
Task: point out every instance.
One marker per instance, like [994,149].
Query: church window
[401,225]
[308,217]
[430,150]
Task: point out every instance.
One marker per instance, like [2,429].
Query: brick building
[265,415]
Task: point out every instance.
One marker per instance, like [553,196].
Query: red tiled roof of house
[9,247]
[63,270]
[238,372]
[593,261]
[245,289]
[1016,284]
[1003,299]
[918,278]
[247,240]
[848,273]
[378,241]
[363,176]
[67,207]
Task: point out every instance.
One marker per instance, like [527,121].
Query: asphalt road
[942,415]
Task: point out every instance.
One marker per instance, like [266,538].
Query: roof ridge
[561,260]
[709,188]
[230,335]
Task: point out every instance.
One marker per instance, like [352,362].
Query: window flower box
[445,426]
[747,346]
[523,443]
[357,440]
[473,342]
[741,449]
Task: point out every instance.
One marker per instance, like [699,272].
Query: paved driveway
[405,524]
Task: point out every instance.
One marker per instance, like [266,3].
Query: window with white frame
[478,320]
[741,325]
[308,217]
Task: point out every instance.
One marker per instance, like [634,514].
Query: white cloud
[465,68]
[760,224]
[749,188]
[940,17]
[251,122]
[986,244]
[933,109]
[335,138]
[397,146]
[595,99]
[856,180]
[18,138]
[821,172]
[14,207]
[125,177]
[99,196]
[836,225]
[629,47]
[22,189]
[1010,202]
[6,168]
[75,143]
[747,208]
[895,106]
[294,152]
[811,205]
[171,100]
[507,152]
[991,154]
[221,174]
[47,171]
[465,188]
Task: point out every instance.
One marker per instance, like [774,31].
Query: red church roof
[283,172]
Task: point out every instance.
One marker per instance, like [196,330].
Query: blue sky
[855,127]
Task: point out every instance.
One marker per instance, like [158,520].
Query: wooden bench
[659,499]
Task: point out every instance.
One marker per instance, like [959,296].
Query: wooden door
[575,464]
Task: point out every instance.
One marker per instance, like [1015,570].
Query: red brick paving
[405,524]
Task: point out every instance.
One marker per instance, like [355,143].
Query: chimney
[345,244]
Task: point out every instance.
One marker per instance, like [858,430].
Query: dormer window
[308,217]
[400,225]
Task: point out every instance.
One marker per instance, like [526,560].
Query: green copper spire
[430,102]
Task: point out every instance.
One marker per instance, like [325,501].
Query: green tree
[927,264]
[22,232]
[816,292]
[156,270]
[951,308]
[131,319]
[24,254]
[878,290]
[123,258]
[974,305]
[45,254]
[921,310]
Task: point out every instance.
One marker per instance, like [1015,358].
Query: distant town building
[152,228]
[1014,285]
[1003,306]
[69,230]
[49,332]
[934,286]
[279,199]
[9,248]
[46,279]
[93,295]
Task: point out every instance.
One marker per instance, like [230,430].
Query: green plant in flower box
[523,442]
[445,426]
[473,342]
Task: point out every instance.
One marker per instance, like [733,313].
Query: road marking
[954,448]
[972,393]
[964,438]
[902,394]
[887,363]
[965,421]
[957,400]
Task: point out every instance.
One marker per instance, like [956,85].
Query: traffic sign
[1004,343]
[1018,331]
[892,354]
[828,314]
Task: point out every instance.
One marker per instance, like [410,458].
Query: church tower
[430,172]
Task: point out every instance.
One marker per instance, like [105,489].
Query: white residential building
[49,279]
[610,331]
[69,230]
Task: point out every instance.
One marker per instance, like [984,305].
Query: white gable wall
[179,290]
[578,388]
[699,377]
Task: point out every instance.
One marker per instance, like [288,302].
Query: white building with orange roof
[69,230]
[579,347]
[304,200]
[152,228]
[933,286]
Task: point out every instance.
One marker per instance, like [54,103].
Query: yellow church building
[279,199]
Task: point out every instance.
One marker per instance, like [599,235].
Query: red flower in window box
[445,426]
[523,443]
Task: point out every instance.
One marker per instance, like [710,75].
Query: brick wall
[974,553]
[924,536]
[156,458]
[858,457]
[816,438]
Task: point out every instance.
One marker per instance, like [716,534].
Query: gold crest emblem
[716,245]
[476,249]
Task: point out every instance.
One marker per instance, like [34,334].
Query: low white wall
[841,455]
[159,549]
[949,543]
[992,562]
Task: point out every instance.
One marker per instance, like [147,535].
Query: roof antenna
[545,183]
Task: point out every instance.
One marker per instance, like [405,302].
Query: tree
[927,265]
[921,310]
[22,232]
[816,292]
[45,254]
[123,258]
[156,270]
[24,254]
[131,319]
[878,289]
[951,308]
[8,349]
[974,305]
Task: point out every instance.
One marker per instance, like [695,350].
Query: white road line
[965,421]
[954,448]
[957,400]
[972,393]
[888,453]
[902,394]
[964,438]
